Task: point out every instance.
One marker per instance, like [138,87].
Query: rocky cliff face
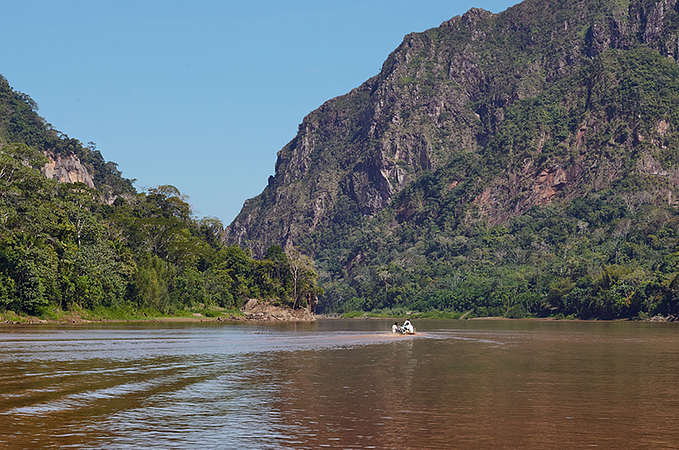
[453,93]
[66,169]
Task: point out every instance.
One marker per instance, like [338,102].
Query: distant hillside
[68,159]
[76,237]
[523,163]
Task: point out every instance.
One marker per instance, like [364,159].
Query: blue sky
[201,94]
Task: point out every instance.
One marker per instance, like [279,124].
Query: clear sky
[201,94]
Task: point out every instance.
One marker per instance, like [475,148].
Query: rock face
[447,97]
[267,312]
[66,169]
[69,161]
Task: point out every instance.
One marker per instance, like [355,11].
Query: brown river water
[341,384]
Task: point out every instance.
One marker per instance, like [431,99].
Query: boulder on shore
[267,312]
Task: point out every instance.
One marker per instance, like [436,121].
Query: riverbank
[398,315]
[85,316]
[254,311]
[414,315]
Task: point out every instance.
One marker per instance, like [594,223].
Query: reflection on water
[341,384]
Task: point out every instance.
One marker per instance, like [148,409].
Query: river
[341,384]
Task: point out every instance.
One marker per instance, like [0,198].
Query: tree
[19,164]
[152,282]
[303,278]
[79,202]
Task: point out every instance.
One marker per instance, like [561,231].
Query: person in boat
[395,328]
[408,327]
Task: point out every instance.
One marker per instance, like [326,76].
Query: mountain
[508,164]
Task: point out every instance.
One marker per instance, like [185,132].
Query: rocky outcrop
[66,169]
[521,191]
[647,165]
[267,312]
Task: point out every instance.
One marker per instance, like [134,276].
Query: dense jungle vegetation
[610,251]
[609,257]
[66,246]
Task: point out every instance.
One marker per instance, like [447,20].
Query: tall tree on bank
[303,277]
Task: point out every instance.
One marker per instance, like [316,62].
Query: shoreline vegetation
[97,249]
[266,312]
[469,315]
[252,311]
[117,315]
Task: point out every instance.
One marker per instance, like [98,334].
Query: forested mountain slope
[518,163]
[75,235]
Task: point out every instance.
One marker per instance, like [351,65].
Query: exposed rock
[647,165]
[442,96]
[520,191]
[548,183]
[660,318]
[267,312]
[252,303]
[66,169]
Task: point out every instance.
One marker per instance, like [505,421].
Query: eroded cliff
[444,93]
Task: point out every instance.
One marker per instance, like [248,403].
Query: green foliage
[64,248]
[61,246]
[604,247]
[545,263]
[152,283]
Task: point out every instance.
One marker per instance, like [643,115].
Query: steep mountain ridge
[472,125]
[441,92]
